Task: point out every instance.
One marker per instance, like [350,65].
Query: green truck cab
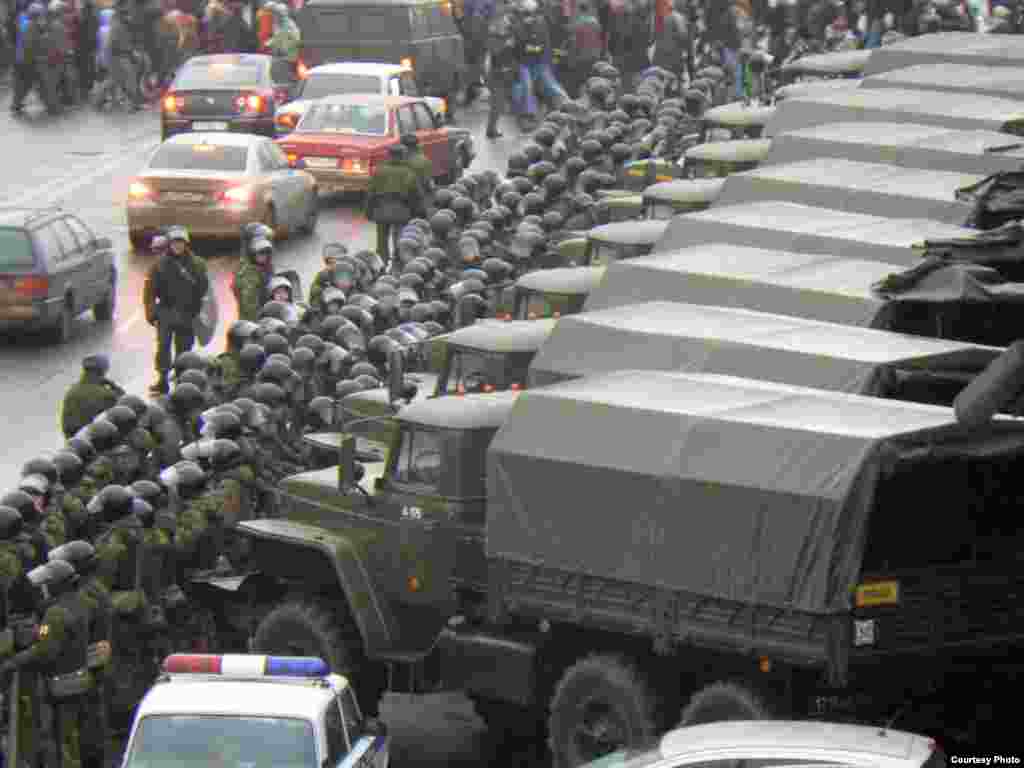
[554,292]
[609,243]
[419,34]
[490,355]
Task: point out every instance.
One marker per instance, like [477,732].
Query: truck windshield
[537,305]
[217,741]
[475,371]
[603,254]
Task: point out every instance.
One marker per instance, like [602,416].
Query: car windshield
[200,157]
[212,741]
[199,75]
[360,119]
[320,84]
[15,249]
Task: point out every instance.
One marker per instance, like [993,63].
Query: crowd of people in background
[71,51]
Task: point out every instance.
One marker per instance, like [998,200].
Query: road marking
[70,183]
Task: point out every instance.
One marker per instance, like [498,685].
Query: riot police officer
[394,196]
[92,394]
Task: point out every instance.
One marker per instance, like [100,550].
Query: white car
[350,77]
[251,710]
[782,744]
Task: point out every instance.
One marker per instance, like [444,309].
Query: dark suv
[52,269]
[227,92]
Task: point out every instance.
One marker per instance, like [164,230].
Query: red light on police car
[193,663]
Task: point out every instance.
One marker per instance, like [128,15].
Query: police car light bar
[245,665]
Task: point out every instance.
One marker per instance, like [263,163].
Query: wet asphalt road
[84,161]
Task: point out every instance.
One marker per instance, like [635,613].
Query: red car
[340,139]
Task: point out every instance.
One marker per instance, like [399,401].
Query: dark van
[420,34]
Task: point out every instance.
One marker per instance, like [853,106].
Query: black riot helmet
[533,203]
[81,554]
[464,209]
[23,503]
[112,503]
[443,198]
[186,477]
[309,341]
[41,466]
[534,153]
[591,151]
[225,454]
[70,468]
[223,424]
[517,161]
[346,387]
[149,491]
[276,344]
[82,447]
[186,398]
[275,372]
[240,332]
[136,403]
[440,224]
[124,418]
[553,221]
[574,166]
[555,184]
[11,523]
[303,360]
[545,136]
[269,394]
[540,170]
[198,378]
[251,358]
[103,435]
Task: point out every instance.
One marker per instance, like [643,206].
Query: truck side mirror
[347,463]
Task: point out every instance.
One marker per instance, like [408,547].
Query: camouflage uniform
[60,650]
[250,288]
[192,539]
[393,197]
[423,169]
[98,475]
[95,733]
[229,377]
[53,526]
[87,399]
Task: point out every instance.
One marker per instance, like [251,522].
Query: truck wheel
[723,701]
[600,705]
[304,629]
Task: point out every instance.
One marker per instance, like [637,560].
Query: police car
[251,711]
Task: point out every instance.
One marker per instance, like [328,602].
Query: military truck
[596,554]
[554,292]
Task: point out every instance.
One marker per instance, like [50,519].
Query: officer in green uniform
[99,472]
[394,196]
[89,396]
[71,470]
[325,277]
[95,735]
[59,654]
[52,523]
[227,377]
[250,280]
[420,164]
[166,434]
[186,482]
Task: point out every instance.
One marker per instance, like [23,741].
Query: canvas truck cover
[1000,82]
[811,87]
[895,105]
[952,47]
[838,63]
[908,145]
[691,338]
[793,227]
[721,487]
[872,188]
[806,285]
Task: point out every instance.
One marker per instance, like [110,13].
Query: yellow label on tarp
[878,593]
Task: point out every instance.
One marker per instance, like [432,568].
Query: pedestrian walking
[393,198]
[173,295]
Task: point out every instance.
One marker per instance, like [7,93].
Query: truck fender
[370,612]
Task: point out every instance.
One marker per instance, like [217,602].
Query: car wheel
[601,705]
[104,310]
[65,323]
[312,214]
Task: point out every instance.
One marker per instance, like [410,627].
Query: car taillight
[173,103]
[32,287]
[301,70]
[355,165]
[139,191]
[293,157]
[252,103]
[236,195]
[287,120]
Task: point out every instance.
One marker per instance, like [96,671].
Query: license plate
[216,125]
[321,162]
[184,197]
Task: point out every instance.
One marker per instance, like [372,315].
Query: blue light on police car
[296,666]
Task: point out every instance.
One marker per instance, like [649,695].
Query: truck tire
[304,629]
[723,701]
[600,705]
